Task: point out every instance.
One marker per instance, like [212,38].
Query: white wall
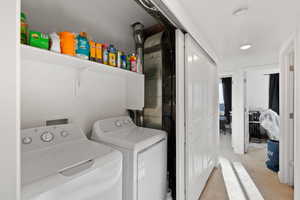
[48,92]
[9,96]
[258,87]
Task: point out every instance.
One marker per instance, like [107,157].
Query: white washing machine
[60,163]
[144,156]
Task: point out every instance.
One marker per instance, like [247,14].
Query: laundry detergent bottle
[82,46]
[67,43]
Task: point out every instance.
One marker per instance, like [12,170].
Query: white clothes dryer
[144,156]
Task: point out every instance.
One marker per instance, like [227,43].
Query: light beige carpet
[254,161]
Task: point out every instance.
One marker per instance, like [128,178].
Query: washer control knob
[64,133]
[27,140]
[118,123]
[47,136]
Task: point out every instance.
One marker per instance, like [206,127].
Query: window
[221,99]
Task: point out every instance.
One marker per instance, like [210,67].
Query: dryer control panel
[43,137]
[114,124]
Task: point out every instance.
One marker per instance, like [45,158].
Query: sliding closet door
[201,118]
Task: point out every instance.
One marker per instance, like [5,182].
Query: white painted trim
[180,117]
[249,186]
[287,45]
[286,140]
[233,187]
[225,75]
[246,113]
[297,120]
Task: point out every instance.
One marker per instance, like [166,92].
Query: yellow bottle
[112,57]
[92,50]
[99,53]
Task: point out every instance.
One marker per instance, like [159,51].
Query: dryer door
[152,172]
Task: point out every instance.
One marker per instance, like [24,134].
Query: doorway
[262,95]
[250,94]
[287,100]
[225,115]
[225,105]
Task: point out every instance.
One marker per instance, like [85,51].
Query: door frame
[180,115]
[286,175]
[297,117]
[246,113]
[240,107]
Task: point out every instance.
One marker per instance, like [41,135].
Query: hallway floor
[254,161]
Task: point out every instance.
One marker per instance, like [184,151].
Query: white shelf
[46,56]
[135,82]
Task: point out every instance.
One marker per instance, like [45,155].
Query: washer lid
[57,159]
[136,138]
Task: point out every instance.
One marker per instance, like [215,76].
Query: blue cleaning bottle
[83,46]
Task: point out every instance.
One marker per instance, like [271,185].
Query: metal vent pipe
[139,44]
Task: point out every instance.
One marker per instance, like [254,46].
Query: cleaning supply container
[39,39]
[55,42]
[82,46]
[67,43]
[24,29]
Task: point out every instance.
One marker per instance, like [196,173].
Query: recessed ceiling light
[245,46]
[240,11]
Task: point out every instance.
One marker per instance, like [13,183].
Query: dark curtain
[227,94]
[274,92]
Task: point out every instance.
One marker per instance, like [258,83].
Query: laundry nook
[149,100]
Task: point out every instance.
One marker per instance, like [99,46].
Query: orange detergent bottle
[67,43]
